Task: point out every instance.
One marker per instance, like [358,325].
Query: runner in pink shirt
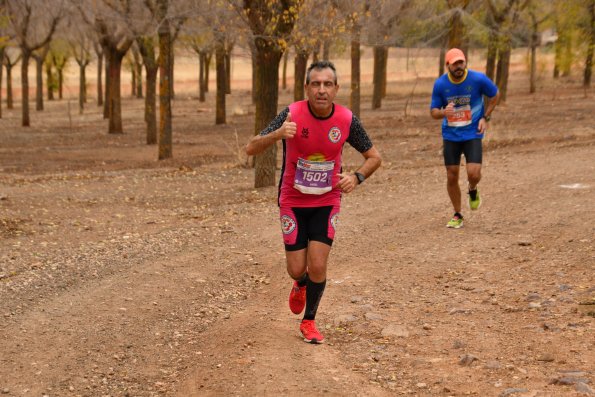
[313,133]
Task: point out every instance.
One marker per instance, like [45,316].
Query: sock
[303,280]
[314,293]
[458,214]
[473,194]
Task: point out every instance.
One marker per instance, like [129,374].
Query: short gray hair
[319,65]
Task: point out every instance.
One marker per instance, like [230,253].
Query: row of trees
[107,30]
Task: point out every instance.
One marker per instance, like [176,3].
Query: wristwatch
[360,177]
[487,118]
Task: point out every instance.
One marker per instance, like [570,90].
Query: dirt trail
[123,277]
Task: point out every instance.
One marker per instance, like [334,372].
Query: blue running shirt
[467,96]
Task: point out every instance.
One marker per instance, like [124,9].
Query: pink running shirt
[312,159]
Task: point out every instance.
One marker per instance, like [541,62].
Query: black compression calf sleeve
[303,280]
[314,293]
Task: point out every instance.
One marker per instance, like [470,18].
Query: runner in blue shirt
[457,100]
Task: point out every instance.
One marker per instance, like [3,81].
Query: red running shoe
[297,298]
[311,334]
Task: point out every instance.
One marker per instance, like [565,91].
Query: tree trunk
[355,95]
[107,86]
[502,70]
[379,54]
[326,49]
[132,80]
[254,72]
[300,66]
[9,97]
[49,81]
[39,82]
[150,104]
[384,71]
[207,70]
[442,59]
[146,47]
[227,57]
[99,79]
[1,69]
[315,53]
[221,77]
[533,61]
[456,31]
[172,91]
[114,98]
[492,55]
[589,57]
[284,78]
[139,78]
[557,57]
[26,122]
[568,57]
[165,85]
[202,60]
[82,84]
[61,82]
[267,98]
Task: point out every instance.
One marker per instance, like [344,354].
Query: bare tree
[201,42]
[354,15]
[4,38]
[10,61]
[457,34]
[109,19]
[80,39]
[537,15]
[386,17]
[317,22]
[99,54]
[2,50]
[50,79]
[590,36]
[214,29]
[146,45]
[137,71]
[505,48]
[34,23]
[270,22]
[497,15]
[40,56]
[220,114]
[60,54]
[165,63]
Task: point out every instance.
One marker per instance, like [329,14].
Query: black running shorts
[302,225]
[471,149]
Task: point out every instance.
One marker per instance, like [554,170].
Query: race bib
[314,177]
[461,116]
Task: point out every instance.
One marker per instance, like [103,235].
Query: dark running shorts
[301,225]
[453,150]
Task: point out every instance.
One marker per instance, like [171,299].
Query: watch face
[360,177]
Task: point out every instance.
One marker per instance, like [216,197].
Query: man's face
[321,91]
[457,69]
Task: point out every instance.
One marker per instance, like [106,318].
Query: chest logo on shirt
[305,133]
[334,134]
[316,157]
[287,224]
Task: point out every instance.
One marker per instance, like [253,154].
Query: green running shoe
[456,222]
[474,204]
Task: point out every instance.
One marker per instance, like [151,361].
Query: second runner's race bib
[314,177]
[461,116]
